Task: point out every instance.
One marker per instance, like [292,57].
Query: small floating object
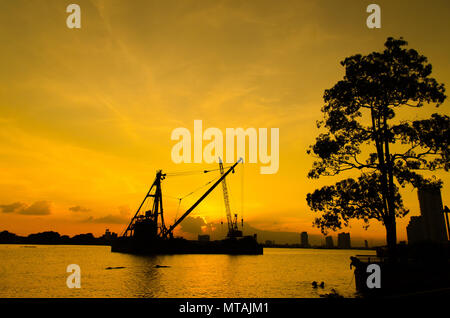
[333,294]
[117,267]
[160,266]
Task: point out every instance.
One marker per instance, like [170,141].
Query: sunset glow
[87,114]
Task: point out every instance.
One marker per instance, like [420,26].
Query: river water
[40,271]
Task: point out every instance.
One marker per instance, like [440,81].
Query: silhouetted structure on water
[148,234]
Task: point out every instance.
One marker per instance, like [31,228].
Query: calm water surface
[40,271]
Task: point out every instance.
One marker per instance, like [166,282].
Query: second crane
[233,231]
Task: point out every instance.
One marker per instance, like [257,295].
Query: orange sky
[86,115]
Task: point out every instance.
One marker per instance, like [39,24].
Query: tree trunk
[391,237]
[391,230]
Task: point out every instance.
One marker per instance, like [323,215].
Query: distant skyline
[86,115]
[315,240]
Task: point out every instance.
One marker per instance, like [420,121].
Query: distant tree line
[51,237]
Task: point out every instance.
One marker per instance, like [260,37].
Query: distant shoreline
[109,244]
[319,247]
[69,244]
[54,238]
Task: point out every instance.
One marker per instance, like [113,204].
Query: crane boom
[169,231]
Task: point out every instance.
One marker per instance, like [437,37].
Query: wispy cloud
[36,208]
[10,208]
[108,219]
[78,208]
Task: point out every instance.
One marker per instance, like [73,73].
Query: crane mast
[233,230]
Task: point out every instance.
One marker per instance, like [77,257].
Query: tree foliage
[351,199]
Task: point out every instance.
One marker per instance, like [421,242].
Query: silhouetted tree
[47,237]
[87,238]
[359,114]
[7,237]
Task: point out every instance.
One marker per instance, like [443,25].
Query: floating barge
[147,234]
[246,245]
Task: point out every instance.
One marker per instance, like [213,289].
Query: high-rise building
[344,240]
[415,230]
[304,239]
[430,225]
[432,211]
[329,242]
[108,236]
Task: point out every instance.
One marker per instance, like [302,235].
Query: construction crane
[150,224]
[233,230]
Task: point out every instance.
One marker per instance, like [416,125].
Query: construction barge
[243,246]
[147,234]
